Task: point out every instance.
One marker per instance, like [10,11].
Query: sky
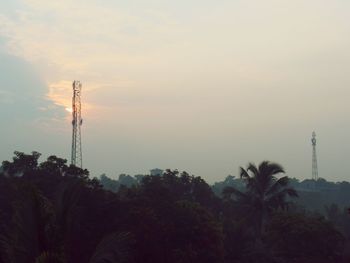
[199,86]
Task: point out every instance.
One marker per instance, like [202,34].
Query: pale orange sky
[202,86]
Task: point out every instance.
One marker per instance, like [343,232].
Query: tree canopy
[54,212]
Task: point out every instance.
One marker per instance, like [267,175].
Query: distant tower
[77,121]
[314,158]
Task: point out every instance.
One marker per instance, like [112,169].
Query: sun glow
[60,94]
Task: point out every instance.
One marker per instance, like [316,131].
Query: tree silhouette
[52,212]
[302,238]
[264,192]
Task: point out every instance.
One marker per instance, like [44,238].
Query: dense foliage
[53,212]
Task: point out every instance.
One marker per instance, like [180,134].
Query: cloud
[22,93]
[76,34]
[82,40]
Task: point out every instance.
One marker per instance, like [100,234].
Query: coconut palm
[26,238]
[264,192]
[38,228]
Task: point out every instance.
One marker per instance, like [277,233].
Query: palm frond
[6,248]
[114,248]
[65,202]
[278,185]
[271,168]
[253,169]
[49,257]
[26,235]
[244,173]
[279,199]
[250,180]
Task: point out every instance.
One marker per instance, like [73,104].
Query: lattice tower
[314,158]
[77,121]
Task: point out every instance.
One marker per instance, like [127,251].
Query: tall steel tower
[77,155]
[314,158]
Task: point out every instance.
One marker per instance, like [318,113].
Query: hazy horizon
[198,86]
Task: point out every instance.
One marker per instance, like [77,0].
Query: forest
[54,212]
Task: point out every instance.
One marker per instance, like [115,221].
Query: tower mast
[77,121]
[314,158]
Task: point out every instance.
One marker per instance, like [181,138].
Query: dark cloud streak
[22,93]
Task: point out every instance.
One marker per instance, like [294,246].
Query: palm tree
[27,238]
[39,226]
[264,192]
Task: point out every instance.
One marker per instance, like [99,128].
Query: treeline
[318,198]
[314,196]
[53,212]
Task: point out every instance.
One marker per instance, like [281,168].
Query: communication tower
[314,158]
[77,121]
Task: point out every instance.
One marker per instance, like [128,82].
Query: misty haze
[174,131]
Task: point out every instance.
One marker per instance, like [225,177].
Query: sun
[69,110]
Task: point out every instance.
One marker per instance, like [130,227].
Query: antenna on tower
[314,158]
[77,121]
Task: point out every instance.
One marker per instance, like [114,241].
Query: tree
[22,163]
[54,165]
[264,192]
[171,219]
[30,237]
[304,239]
[109,184]
[113,248]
